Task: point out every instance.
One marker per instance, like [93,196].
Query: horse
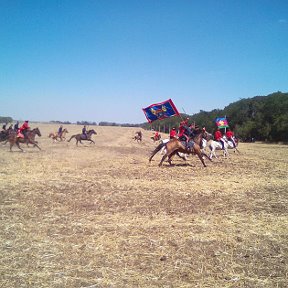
[228,144]
[4,135]
[175,145]
[200,138]
[138,136]
[56,135]
[28,139]
[80,137]
[216,145]
[156,138]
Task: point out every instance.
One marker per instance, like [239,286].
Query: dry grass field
[100,216]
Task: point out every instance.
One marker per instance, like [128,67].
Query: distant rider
[173,133]
[84,132]
[60,130]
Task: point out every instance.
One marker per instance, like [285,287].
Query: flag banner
[160,111]
[221,122]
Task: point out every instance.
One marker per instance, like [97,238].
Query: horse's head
[65,130]
[37,131]
[92,131]
[207,136]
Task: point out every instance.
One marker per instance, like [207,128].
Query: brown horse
[138,136]
[56,135]
[28,139]
[198,138]
[81,137]
[175,145]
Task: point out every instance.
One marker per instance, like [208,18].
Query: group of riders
[24,128]
[186,132]
[21,131]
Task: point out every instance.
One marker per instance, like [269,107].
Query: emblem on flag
[221,122]
[160,111]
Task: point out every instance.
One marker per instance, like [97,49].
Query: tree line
[262,118]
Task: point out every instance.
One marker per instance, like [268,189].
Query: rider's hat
[27,121]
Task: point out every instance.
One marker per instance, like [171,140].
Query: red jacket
[173,133]
[24,127]
[217,135]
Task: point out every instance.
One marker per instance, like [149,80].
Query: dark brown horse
[138,136]
[28,139]
[4,135]
[81,137]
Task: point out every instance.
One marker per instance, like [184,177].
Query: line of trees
[262,118]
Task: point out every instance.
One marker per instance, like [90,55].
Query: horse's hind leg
[162,160]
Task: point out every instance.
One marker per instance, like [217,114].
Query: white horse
[216,145]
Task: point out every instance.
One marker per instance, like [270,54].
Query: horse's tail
[73,136]
[156,150]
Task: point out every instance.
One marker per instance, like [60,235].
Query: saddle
[188,144]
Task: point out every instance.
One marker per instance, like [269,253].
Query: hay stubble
[101,216]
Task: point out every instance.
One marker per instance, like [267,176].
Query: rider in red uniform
[173,133]
[218,137]
[182,128]
[230,136]
[22,130]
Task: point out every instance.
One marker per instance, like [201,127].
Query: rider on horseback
[173,133]
[230,137]
[218,137]
[23,129]
[186,133]
[60,131]
[84,132]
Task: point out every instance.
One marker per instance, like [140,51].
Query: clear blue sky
[104,60]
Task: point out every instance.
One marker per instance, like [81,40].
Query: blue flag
[160,111]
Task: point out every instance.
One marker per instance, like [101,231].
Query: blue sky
[104,60]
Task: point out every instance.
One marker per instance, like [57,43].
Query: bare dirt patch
[101,216]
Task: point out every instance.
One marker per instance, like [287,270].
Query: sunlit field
[101,216]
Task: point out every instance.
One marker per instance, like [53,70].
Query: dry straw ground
[101,216]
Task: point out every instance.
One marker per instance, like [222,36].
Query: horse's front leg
[201,158]
[35,144]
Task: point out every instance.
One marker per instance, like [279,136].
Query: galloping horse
[175,145]
[4,135]
[156,138]
[200,138]
[28,139]
[61,136]
[215,145]
[138,136]
[80,137]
